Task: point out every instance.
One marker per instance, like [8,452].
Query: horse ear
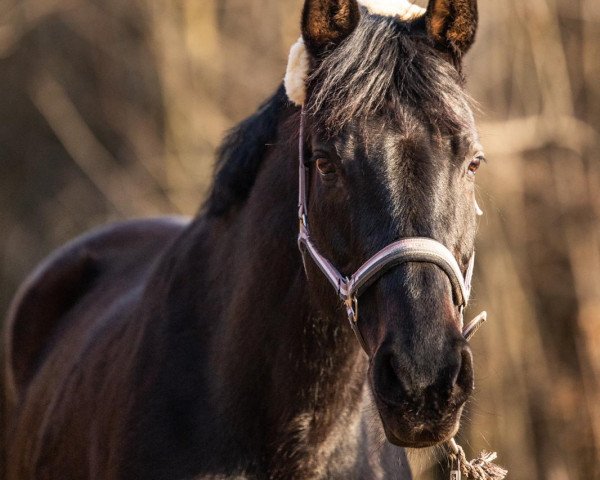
[452,25]
[326,23]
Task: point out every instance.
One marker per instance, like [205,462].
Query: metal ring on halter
[351,303]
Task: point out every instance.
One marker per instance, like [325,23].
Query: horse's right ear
[326,23]
[452,25]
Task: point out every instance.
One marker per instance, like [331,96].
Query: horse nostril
[396,382]
[388,372]
[388,383]
[464,374]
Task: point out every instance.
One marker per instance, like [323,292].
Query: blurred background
[112,109]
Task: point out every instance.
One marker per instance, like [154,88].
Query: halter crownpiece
[297,72]
[403,9]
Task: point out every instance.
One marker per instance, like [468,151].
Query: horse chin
[409,435]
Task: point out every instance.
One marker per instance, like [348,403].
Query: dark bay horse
[167,349]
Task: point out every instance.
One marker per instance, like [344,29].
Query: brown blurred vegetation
[113,109]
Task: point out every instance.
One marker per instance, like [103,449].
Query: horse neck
[293,374]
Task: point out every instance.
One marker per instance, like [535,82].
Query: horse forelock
[298,67]
[382,66]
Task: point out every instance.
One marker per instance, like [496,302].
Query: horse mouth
[408,431]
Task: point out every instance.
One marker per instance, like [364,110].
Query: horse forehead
[381,141]
[403,9]
[402,136]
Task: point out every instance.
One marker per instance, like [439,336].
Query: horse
[215,348]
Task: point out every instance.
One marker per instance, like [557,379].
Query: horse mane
[388,64]
[240,155]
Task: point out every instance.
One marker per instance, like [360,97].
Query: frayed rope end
[481,468]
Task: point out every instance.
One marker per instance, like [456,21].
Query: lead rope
[481,468]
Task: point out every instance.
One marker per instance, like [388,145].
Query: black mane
[240,155]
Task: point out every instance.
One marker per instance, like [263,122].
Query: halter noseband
[413,249]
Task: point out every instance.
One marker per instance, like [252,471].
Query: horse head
[391,152]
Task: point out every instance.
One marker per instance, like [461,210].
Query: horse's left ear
[326,23]
[452,25]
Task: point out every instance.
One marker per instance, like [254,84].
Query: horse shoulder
[62,280]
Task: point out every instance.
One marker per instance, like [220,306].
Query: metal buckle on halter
[351,303]
[302,216]
[302,222]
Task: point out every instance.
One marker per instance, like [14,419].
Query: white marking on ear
[393,8]
[297,72]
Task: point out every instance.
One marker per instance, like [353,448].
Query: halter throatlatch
[414,249]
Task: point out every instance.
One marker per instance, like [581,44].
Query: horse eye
[325,166]
[475,163]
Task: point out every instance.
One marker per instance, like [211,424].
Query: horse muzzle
[420,409]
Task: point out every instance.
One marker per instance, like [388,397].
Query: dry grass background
[111,109]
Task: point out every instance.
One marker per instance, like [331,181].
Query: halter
[412,249]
